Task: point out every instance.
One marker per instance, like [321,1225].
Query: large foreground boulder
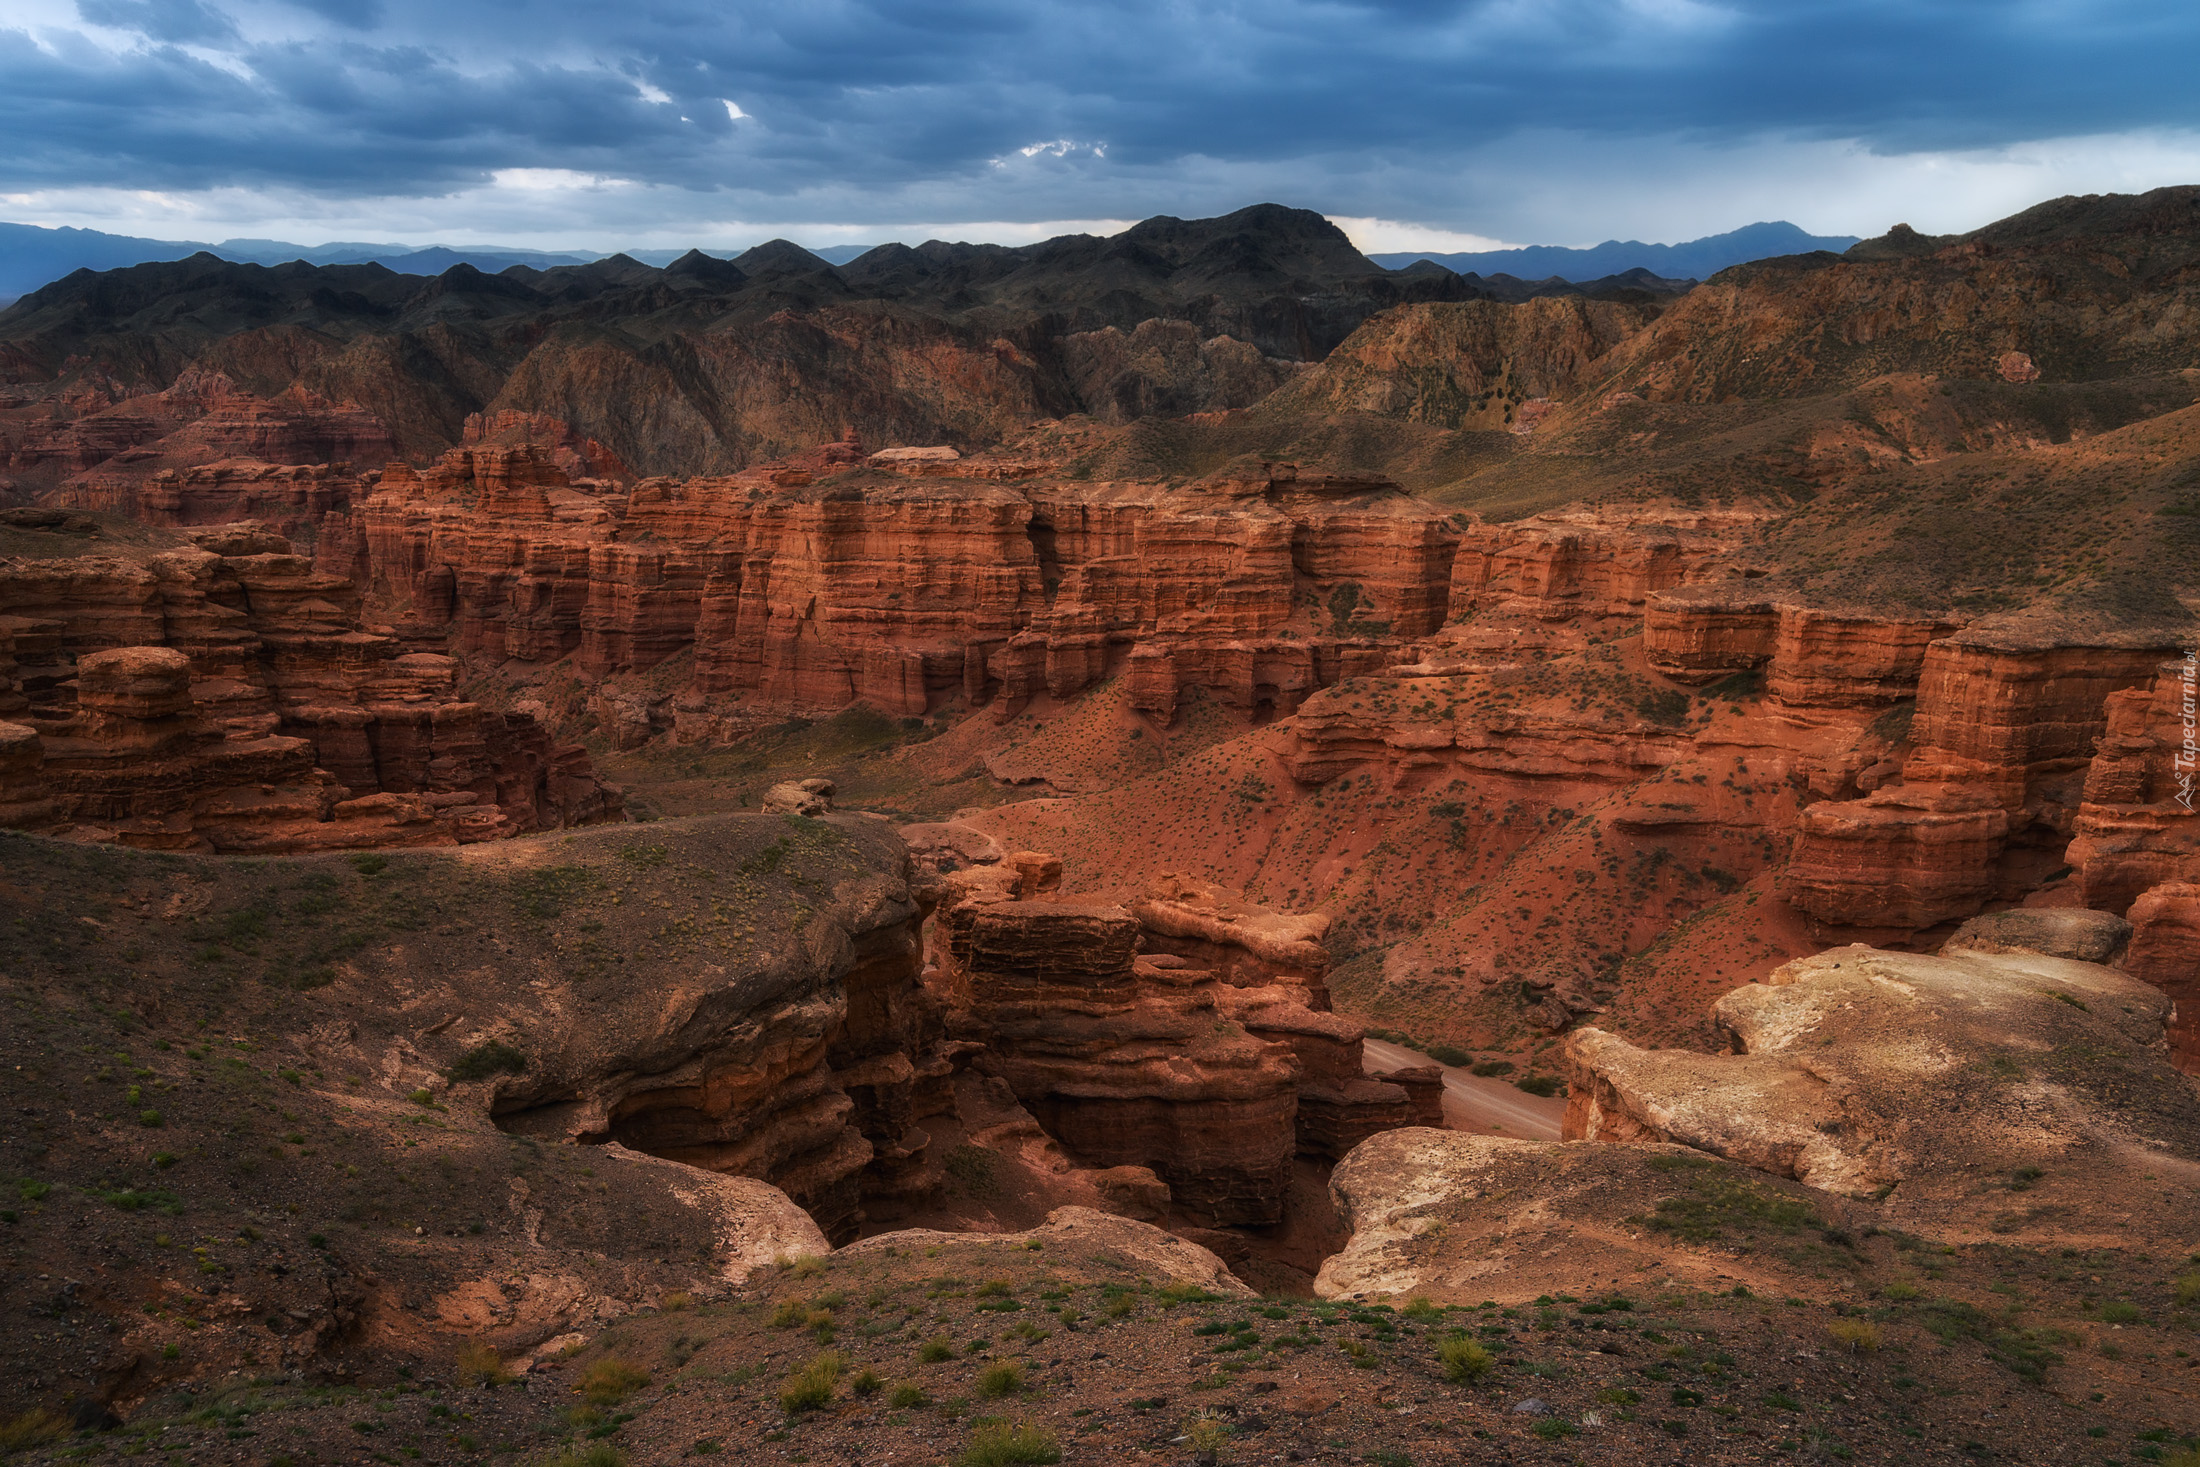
[1921,1079]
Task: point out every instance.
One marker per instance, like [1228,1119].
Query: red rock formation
[1560,566]
[825,1101]
[1212,1076]
[1119,1066]
[1999,697]
[226,696]
[1905,857]
[799,592]
[1699,634]
[577,455]
[1848,659]
[1244,945]
[2136,827]
[2165,951]
[2004,712]
[290,499]
[99,453]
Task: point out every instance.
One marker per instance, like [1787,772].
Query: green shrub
[484,1060]
[2186,1291]
[907,1396]
[1464,1360]
[1491,1069]
[934,1350]
[1449,1054]
[1002,1445]
[869,1383]
[2120,1311]
[1543,1085]
[812,1386]
[1004,1379]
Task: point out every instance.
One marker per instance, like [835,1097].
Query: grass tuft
[1011,1446]
[479,1364]
[813,1385]
[611,1380]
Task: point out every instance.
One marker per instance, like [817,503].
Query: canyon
[947,756]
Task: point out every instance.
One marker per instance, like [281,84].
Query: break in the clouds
[1427,124]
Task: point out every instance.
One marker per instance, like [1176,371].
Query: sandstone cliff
[810,584]
[225,695]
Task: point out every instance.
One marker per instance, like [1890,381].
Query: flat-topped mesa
[1585,564]
[224,696]
[808,585]
[2006,696]
[1824,658]
[1213,1079]
[1700,634]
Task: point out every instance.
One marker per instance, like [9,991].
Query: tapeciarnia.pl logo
[2188,679]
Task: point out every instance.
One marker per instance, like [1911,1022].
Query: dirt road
[1472,1103]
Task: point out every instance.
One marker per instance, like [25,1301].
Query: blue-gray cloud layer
[925,109]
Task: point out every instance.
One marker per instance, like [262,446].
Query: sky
[1416,124]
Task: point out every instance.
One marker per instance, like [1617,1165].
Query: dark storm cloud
[938,100]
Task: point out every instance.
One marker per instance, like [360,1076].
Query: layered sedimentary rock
[101,445]
[1903,857]
[2005,714]
[1699,634]
[807,1063]
[1117,1064]
[822,1094]
[1213,1077]
[1564,565]
[2165,951]
[1826,658]
[809,584]
[2000,697]
[1863,1072]
[290,499]
[2135,825]
[1245,945]
[226,695]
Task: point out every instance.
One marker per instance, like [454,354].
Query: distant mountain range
[31,256]
[1695,259]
